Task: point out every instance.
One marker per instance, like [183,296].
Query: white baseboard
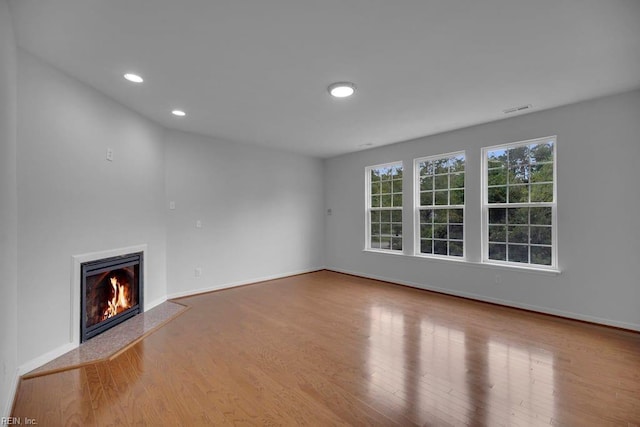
[53,354]
[499,301]
[156,302]
[45,358]
[240,283]
[13,389]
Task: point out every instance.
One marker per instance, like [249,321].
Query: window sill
[476,264]
[384,251]
[500,266]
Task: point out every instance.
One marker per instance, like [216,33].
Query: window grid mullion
[440,172]
[391,172]
[539,187]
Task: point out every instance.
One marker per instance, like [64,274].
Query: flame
[120,300]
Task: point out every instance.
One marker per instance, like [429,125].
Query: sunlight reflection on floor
[508,382]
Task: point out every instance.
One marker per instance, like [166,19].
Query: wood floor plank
[332,349]
[131,390]
[115,402]
[73,391]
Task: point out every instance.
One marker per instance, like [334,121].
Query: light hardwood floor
[331,349]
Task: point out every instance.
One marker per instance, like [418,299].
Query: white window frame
[552,205]
[417,250]
[369,208]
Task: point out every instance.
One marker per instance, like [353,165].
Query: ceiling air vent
[517,109]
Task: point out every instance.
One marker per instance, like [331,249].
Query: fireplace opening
[111,293]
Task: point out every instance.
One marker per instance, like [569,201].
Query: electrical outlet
[198,224]
[172,205]
[110,154]
[197,272]
[498,279]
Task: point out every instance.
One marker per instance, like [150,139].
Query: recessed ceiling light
[178,113]
[342,89]
[133,78]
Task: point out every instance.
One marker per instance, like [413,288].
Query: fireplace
[111,292]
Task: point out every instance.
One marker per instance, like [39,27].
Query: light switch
[172,205]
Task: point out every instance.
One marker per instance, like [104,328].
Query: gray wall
[598,233]
[73,201]
[261,209]
[8,214]
[261,213]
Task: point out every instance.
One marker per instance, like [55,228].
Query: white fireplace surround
[76,261]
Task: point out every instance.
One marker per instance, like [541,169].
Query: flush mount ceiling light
[133,78]
[178,113]
[342,89]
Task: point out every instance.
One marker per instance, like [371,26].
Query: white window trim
[367,244]
[554,210]
[417,207]
[473,264]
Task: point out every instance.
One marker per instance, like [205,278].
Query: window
[440,205]
[384,207]
[519,209]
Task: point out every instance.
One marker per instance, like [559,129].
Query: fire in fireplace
[111,293]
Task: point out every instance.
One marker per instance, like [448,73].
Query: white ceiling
[257,71]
